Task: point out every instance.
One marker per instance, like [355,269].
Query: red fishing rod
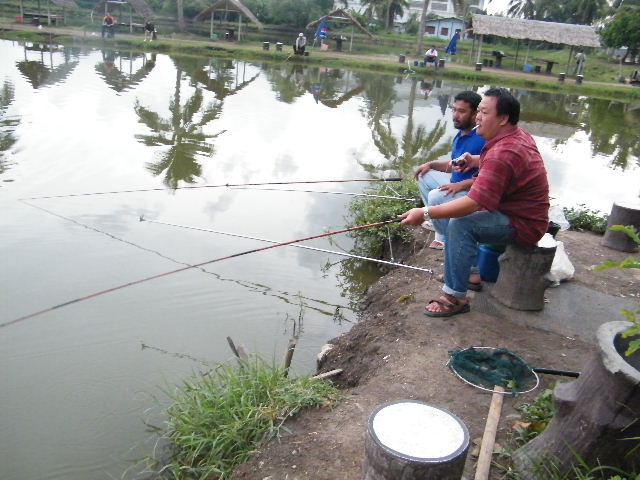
[192,187]
[188,267]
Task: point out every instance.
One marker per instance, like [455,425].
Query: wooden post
[593,415]
[409,439]
[622,214]
[523,277]
[288,355]
[211,28]
[489,436]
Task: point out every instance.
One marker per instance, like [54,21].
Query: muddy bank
[395,352]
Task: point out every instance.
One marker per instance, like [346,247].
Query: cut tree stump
[622,214]
[412,440]
[593,415]
[523,277]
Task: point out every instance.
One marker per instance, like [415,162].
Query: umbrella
[453,44]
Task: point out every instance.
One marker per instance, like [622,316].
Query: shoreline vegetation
[380,61]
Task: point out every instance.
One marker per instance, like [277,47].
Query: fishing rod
[331,192]
[344,254]
[193,187]
[188,267]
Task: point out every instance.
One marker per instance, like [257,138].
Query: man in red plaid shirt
[508,202]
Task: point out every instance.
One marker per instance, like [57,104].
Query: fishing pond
[114,166]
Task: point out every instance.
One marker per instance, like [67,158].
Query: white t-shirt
[432,52]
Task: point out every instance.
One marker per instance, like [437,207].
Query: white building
[442,8]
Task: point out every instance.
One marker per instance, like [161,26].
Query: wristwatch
[425,212]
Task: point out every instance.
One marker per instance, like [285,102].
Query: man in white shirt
[431,57]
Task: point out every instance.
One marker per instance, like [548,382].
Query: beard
[460,125]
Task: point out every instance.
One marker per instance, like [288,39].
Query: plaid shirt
[513,180]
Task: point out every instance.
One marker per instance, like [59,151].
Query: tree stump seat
[412,440]
[523,276]
[622,214]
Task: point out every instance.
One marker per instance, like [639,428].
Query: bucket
[527,68]
[488,263]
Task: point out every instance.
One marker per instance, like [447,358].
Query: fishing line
[284,296]
[193,187]
[188,267]
[331,192]
[427,270]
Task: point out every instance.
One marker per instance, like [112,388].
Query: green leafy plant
[630,316]
[535,416]
[363,210]
[584,219]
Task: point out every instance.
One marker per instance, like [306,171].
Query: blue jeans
[463,236]
[428,185]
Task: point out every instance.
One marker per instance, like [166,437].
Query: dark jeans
[110,30]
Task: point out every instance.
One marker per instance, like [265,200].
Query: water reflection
[416,145]
[123,70]
[47,64]
[183,135]
[613,130]
[7,124]
[223,77]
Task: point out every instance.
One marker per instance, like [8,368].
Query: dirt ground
[395,352]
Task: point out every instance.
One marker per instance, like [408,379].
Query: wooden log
[329,374]
[288,355]
[523,277]
[489,436]
[412,440]
[593,415]
[622,214]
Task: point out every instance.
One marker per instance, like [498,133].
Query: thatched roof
[340,15]
[229,6]
[141,7]
[562,33]
[65,3]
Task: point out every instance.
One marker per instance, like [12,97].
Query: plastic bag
[561,269]
[556,215]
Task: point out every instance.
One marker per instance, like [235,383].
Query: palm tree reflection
[184,137]
[7,124]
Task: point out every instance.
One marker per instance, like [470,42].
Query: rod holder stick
[489,436]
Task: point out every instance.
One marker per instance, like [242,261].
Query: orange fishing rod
[221,185]
[188,267]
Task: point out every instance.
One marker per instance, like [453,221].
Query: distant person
[149,31]
[300,44]
[431,57]
[108,25]
[580,59]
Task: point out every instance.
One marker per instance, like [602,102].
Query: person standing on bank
[580,59]
[149,29]
[508,202]
[436,184]
[300,44]
[108,25]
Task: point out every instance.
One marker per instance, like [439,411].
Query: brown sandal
[448,307]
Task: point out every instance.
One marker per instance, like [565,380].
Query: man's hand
[421,170]
[468,162]
[415,216]
[452,188]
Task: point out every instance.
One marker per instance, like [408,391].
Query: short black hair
[506,104]
[472,98]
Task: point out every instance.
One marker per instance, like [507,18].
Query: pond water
[78,382]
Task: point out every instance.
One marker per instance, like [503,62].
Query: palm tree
[523,8]
[423,19]
[180,6]
[184,136]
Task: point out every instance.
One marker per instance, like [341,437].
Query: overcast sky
[496,6]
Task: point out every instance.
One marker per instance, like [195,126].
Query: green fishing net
[486,367]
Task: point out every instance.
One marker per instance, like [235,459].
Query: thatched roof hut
[561,33]
[228,6]
[341,16]
[65,3]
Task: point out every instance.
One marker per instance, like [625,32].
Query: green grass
[216,420]
[582,218]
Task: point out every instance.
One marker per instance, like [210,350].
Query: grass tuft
[216,420]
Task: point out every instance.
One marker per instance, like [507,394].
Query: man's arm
[453,188]
[441,166]
[459,207]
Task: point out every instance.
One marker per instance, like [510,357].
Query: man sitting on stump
[508,202]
